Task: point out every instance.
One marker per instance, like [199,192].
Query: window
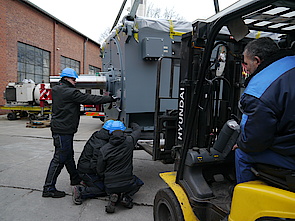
[32,63]
[69,63]
[93,70]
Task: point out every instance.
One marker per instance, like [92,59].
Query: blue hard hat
[112,125]
[107,125]
[69,72]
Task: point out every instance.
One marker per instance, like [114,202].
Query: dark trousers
[95,186]
[126,187]
[63,156]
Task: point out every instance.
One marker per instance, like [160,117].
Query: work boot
[76,195]
[110,208]
[127,201]
[54,193]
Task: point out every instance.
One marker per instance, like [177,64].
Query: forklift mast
[210,86]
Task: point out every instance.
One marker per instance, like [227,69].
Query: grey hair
[262,47]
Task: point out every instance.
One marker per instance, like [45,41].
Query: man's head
[112,125]
[70,75]
[257,51]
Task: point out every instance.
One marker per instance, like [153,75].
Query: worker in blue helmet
[66,100]
[108,125]
[69,72]
[93,185]
[115,165]
[112,125]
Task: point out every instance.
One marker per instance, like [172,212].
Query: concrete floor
[24,159]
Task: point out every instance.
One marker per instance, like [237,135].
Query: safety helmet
[112,125]
[107,125]
[69,72]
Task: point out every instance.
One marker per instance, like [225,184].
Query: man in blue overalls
[268,107]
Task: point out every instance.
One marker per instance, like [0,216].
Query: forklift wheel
[32,117]
[166,206]
[11,116]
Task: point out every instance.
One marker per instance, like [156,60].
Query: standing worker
[66,100]
[268,104]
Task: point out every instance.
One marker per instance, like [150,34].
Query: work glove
[115,98]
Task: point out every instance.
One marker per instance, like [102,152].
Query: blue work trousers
[95,186]
[63,156]
[244,161]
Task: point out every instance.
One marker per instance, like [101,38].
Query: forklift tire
[11,116]
[32,117]
[166,206]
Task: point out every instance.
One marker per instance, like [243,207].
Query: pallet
[38,123]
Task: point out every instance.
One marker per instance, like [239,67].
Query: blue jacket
[268,106]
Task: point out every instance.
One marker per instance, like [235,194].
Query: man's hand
[235,147]
[115,98]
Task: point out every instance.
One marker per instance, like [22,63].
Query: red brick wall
[93,56]
[23,23]
[3,51]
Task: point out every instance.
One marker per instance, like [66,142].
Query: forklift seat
[275,176]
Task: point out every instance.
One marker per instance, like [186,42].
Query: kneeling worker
[116,165]
[93,185]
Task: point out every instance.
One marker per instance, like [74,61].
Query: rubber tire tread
[166,199]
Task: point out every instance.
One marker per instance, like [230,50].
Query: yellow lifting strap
[117,34]
[135,34]
[258,35]
[172,32]
[187,211]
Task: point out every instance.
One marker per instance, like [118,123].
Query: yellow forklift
[202,132]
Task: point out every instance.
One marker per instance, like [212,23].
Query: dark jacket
[116,162]
[268,106]
[88,159]
[66,100]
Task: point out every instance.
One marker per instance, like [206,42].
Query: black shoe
[127,202]
[53,194]
[76,195]
[110,208]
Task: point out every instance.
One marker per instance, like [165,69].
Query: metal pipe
[84,55]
